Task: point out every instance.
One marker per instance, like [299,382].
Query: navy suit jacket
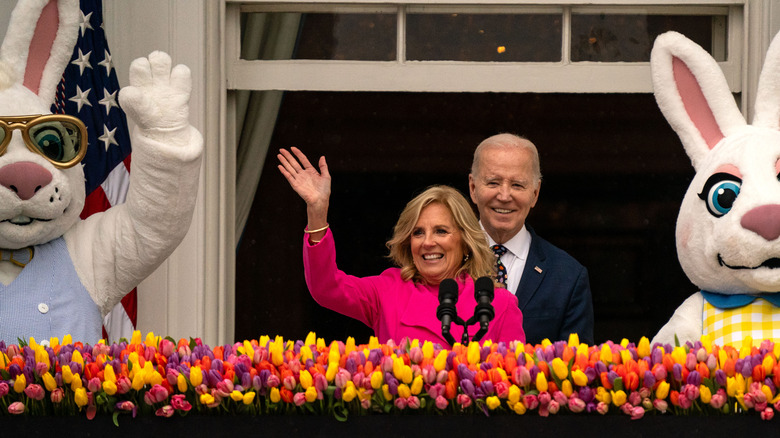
[554,295]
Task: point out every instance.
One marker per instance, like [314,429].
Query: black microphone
[446,312]
[483,312]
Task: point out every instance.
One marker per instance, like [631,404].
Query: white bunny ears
[38,45]
[693,95]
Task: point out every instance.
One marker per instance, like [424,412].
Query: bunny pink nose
[24,178]
[764,221]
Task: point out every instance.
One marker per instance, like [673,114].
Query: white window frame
[564,76]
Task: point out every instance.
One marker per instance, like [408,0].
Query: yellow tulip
[606,354]
[67,339]
[514,395]
[275,396]
[349,347]
[109,387]
[731,386]
[625,356]
[76,383]
[136,338]
[42,356]
[417,385]
[350,392]
[108,373]
[250,351]
[77,357]
[541,382]
[276,350]
[404,391]
[560,369]
[441,361]
[206,399]
[473,354]
[386,392]
[603,395]
[373,343]
[377,379]
[67,374]
[20,383]
[624,343]
[767,391]
[152,340]
[333,353]
[398,368]
[311,339]
[181,383]
[705,394]
[306,379]
[248,398]
[237,396]
[49,382]
[306,354]
[519,408]
[427,349]
[311,394]
[643,348]
[546,343]
[579,377]
[196,376]
[80,397]
[662,391]
[679,355]
[3,360]
[493,402]
[618,397]
[574,340]
[566,388]
[407,374]
[768,364]
[330,373]
[263,340]
[138,381]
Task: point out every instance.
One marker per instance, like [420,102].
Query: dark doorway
[614,176]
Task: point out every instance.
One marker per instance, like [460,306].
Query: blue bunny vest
[48,300]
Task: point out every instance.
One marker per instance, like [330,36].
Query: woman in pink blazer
[437,237]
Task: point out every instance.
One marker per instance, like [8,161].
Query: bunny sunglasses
[60,138]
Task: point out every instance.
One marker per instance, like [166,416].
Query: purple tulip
[720,377]
[677,372]
[591,374]
[649,379]
[586,394]
[467,386]
[694,378]
[487,387]
[656,356]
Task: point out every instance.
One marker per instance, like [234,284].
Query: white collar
[518,245]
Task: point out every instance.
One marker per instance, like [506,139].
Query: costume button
[43,308]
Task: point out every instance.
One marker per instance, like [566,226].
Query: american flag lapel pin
[538,269]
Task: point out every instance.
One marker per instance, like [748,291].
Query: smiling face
[505,188]
[436,244]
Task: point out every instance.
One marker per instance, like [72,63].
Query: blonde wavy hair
[480,261]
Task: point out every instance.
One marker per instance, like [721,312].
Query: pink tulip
[413,402]
[35,391]
[16,408]
[400,403]
[442,402]
[165,411]
[767,414]
[464,401]
[179,402]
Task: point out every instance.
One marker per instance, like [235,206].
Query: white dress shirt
[515,256]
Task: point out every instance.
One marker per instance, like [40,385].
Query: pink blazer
[395,308]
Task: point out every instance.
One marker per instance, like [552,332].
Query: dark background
[614,174]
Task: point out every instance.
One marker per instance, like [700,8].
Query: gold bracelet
[314,242]
[317,230]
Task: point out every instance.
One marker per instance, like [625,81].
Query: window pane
[323,36]
[629,37]
[484,37]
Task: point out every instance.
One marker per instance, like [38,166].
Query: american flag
[89,91]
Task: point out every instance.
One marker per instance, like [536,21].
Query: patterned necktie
[500,250]
[19,257]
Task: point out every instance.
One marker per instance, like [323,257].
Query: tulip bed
[163,377]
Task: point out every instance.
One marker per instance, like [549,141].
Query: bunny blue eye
[719,193]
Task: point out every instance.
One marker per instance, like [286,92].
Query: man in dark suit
[552,288]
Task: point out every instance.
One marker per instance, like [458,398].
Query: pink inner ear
[40,46]
[695,104]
